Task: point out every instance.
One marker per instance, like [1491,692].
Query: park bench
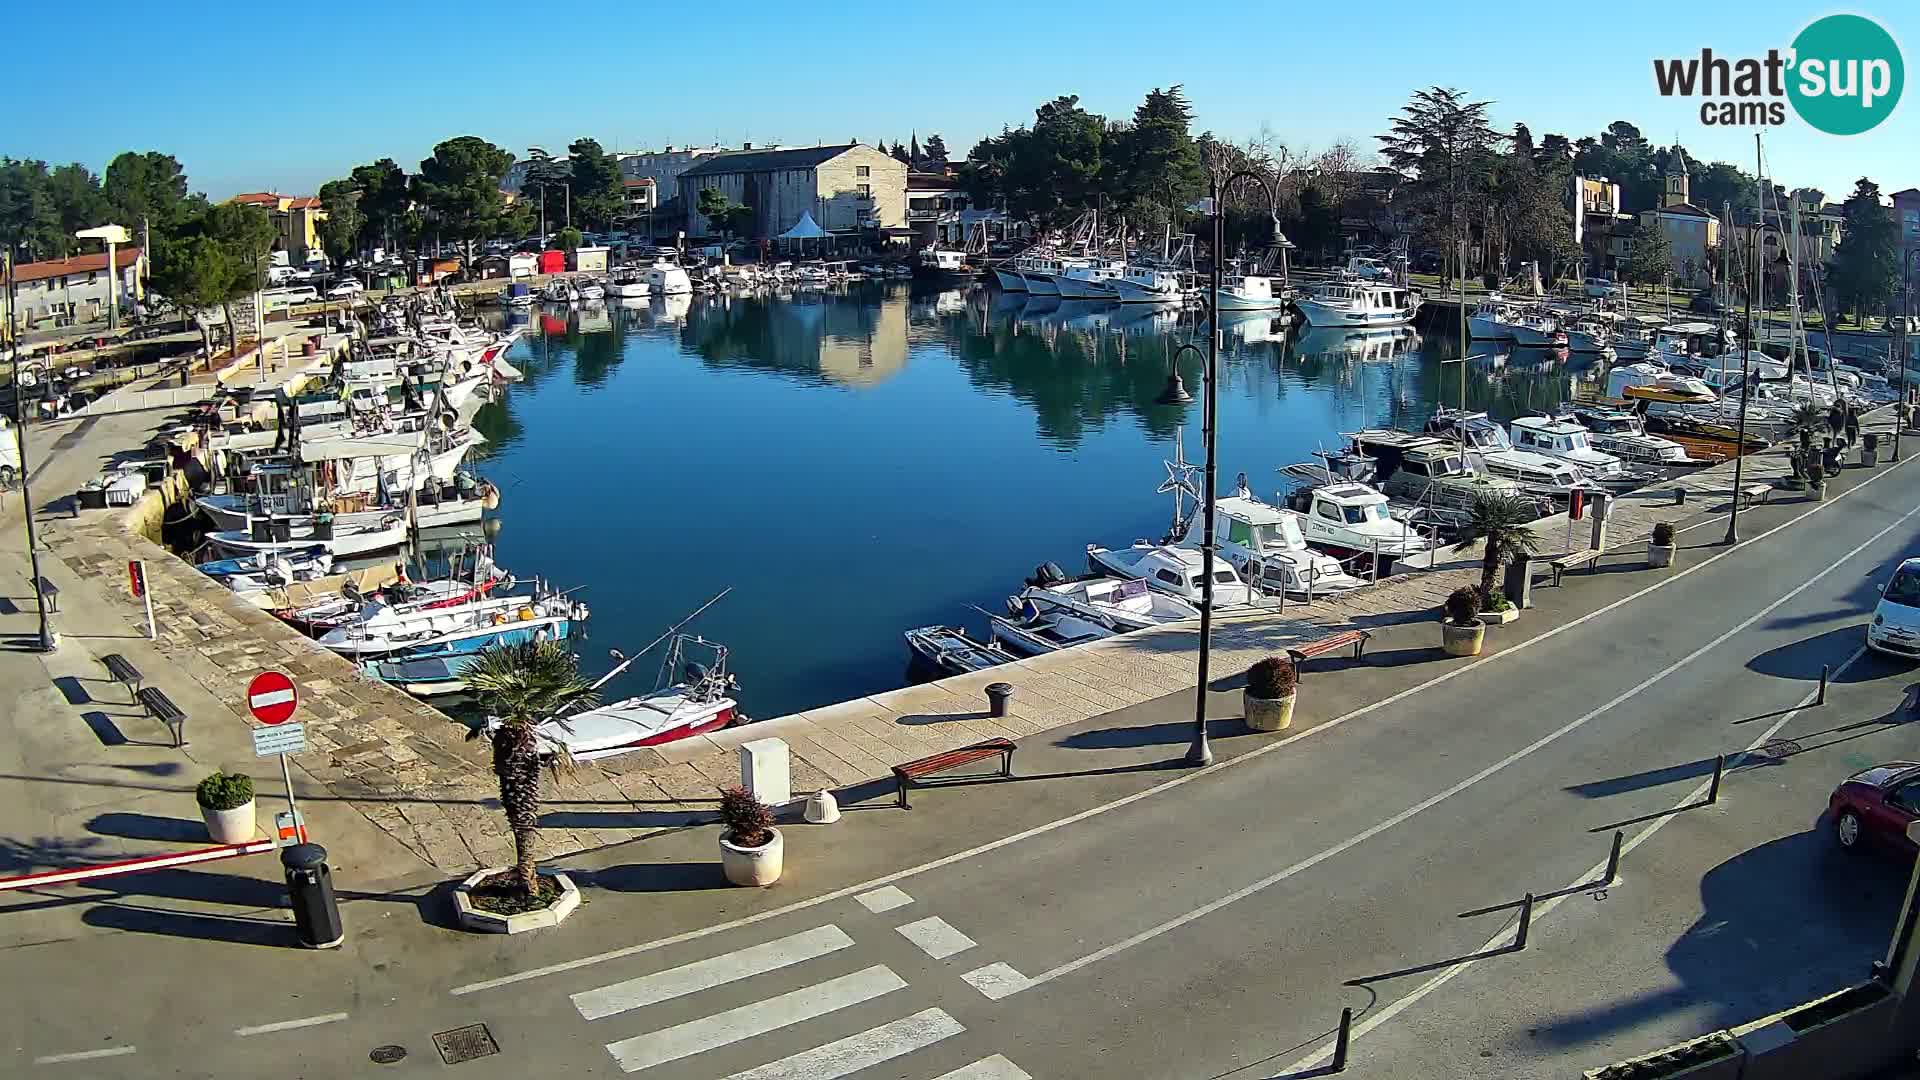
[1332,643]
[907,773]
[120,670]
[48,592]
[161,708]
[1572,560]
[1752,493]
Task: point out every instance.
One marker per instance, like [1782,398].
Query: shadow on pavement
[655,877]
[49,853]
[104,728]
[1801,660]
[148,827]
[1782,922]
[71,689]
[231,929]
[623,819]
[1619,785]
[1165,734]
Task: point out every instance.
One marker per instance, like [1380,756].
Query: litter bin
[316,915]
[998,695]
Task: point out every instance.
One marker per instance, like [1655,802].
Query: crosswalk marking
[733,1025]
[988,1068]
[936,937]
[856,1052]
[706,974]
[885,898]
[996,981]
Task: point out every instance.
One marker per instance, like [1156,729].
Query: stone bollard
[999,696]
[764,771]
[822,808]
[1679,496]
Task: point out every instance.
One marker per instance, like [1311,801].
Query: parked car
[1705,304]
[1895,628]
[1603,286]
[1873,808]
[345,289]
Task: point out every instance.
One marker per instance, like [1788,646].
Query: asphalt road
[1113,915]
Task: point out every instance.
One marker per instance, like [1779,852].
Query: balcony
[923,215]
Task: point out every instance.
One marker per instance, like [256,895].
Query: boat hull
[1042,285]
[1134,292]
[1010,280]
[1319,314]
[1229,301]
[1485,328]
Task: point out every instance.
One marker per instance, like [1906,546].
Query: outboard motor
[1047,574]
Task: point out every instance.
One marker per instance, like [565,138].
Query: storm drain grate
[465,1043]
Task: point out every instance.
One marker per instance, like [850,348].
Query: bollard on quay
[999,695]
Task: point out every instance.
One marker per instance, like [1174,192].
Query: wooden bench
[49,592]
[1752,493]
[161,708]
[1589,558]
[1332,643]
[906,773]
[120,670]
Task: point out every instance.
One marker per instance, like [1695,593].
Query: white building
[75,290]
[848,188]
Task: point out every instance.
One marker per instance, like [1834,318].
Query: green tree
[246,236]
[1317,228]
[1157,161]
[935,151]
[459,186]
[599,191]
[1723,184]
[1444,142]
[384,200]
[150,187]
[723,213]
[78,203]
[522,686]
[344,226]
[1865,268]
[568,239]
[1650,262]
[550,179]
[196,274]
[1501,522]
[29,220]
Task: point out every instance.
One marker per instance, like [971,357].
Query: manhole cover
[465,1043]
[387,1055]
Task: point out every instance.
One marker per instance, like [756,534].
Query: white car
[345,289]
[1607,287]
[1895,629]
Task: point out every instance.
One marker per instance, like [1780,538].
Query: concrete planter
[1819,492]
[1463,640]
[1500,618]
[487,922]
[1842,1035]
[1711,1057]
[235,826]
[752,866]
[1660,556]
[1869,456]
[1268,714]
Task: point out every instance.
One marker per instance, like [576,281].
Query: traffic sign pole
[272,698]
[137,578]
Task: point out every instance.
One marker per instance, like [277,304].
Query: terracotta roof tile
[79,264]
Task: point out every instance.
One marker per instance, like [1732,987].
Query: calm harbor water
[855,463]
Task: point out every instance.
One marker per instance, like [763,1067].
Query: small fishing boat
[1047,632]
[1265,545]
[1171,570]
[698,700]
[1622,434]
[1349,518]
[589,290]
[1120,604]
[428,676]
[264,569]
[1359,303]
[382,629]
[320,616]
[1568,441]
[339,540]
[949,651]
[628,284]
[559,291]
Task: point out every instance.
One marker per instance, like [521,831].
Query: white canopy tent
[803,230]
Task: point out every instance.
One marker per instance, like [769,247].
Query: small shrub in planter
[1272,684]
[1496,608]
[1660,549]
[226,805]
[1462,633]
[751,849]
[1663,534]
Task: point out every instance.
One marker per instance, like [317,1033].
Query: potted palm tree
[226,805]
[1500,521]
[1461,632]
[1272,684]
[1661,548]
[522,685]
[751,849]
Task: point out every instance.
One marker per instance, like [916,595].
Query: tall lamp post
[1201,752]
[1746,359]
[1901,329]
[20,433]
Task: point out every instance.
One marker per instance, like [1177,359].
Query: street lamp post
[1746,391]
[1200,753]
[20,434]
[1901,329]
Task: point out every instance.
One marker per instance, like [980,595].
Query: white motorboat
[1491,321]
[384,629]
[275,536]
[1568,441]
[463,501]
[1535,327]
[1349,518]
[1119,604]
[270,569]
[1249,292]
[589,291]
[1622,434]
[1045,632]
[1538,474]
[666,277]
[1264,543]
[1358,303]
[1091,280]
[1171,570]
[699,699]
[1143,284]
[559,291]
[628,285]
[949,651]
[1651,382]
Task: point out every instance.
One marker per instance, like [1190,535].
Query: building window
[862,170]
[865,190]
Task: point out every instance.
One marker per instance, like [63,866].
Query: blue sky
[253,96]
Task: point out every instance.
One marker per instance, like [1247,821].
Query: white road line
[711,972]
[1431,801]
[289,1025]
[1158,789]
[1542,908]
[996,981]
[987,1068]
[936,937]
[855,1052]
[84,1055]
[758,1018]
[883,899]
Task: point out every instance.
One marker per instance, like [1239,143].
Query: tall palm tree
[522,685]
[1501,521]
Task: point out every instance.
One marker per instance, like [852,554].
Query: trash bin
[1518,585]
[316,915]
[998,695]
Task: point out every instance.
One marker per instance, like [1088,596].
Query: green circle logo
[1847,74]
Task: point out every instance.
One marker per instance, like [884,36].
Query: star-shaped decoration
[1179,473]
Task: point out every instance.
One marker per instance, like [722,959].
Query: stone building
[850,189]
[1692,232]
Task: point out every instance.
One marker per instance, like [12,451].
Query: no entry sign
[272,698]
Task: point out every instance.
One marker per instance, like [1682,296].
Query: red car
[1876,806]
